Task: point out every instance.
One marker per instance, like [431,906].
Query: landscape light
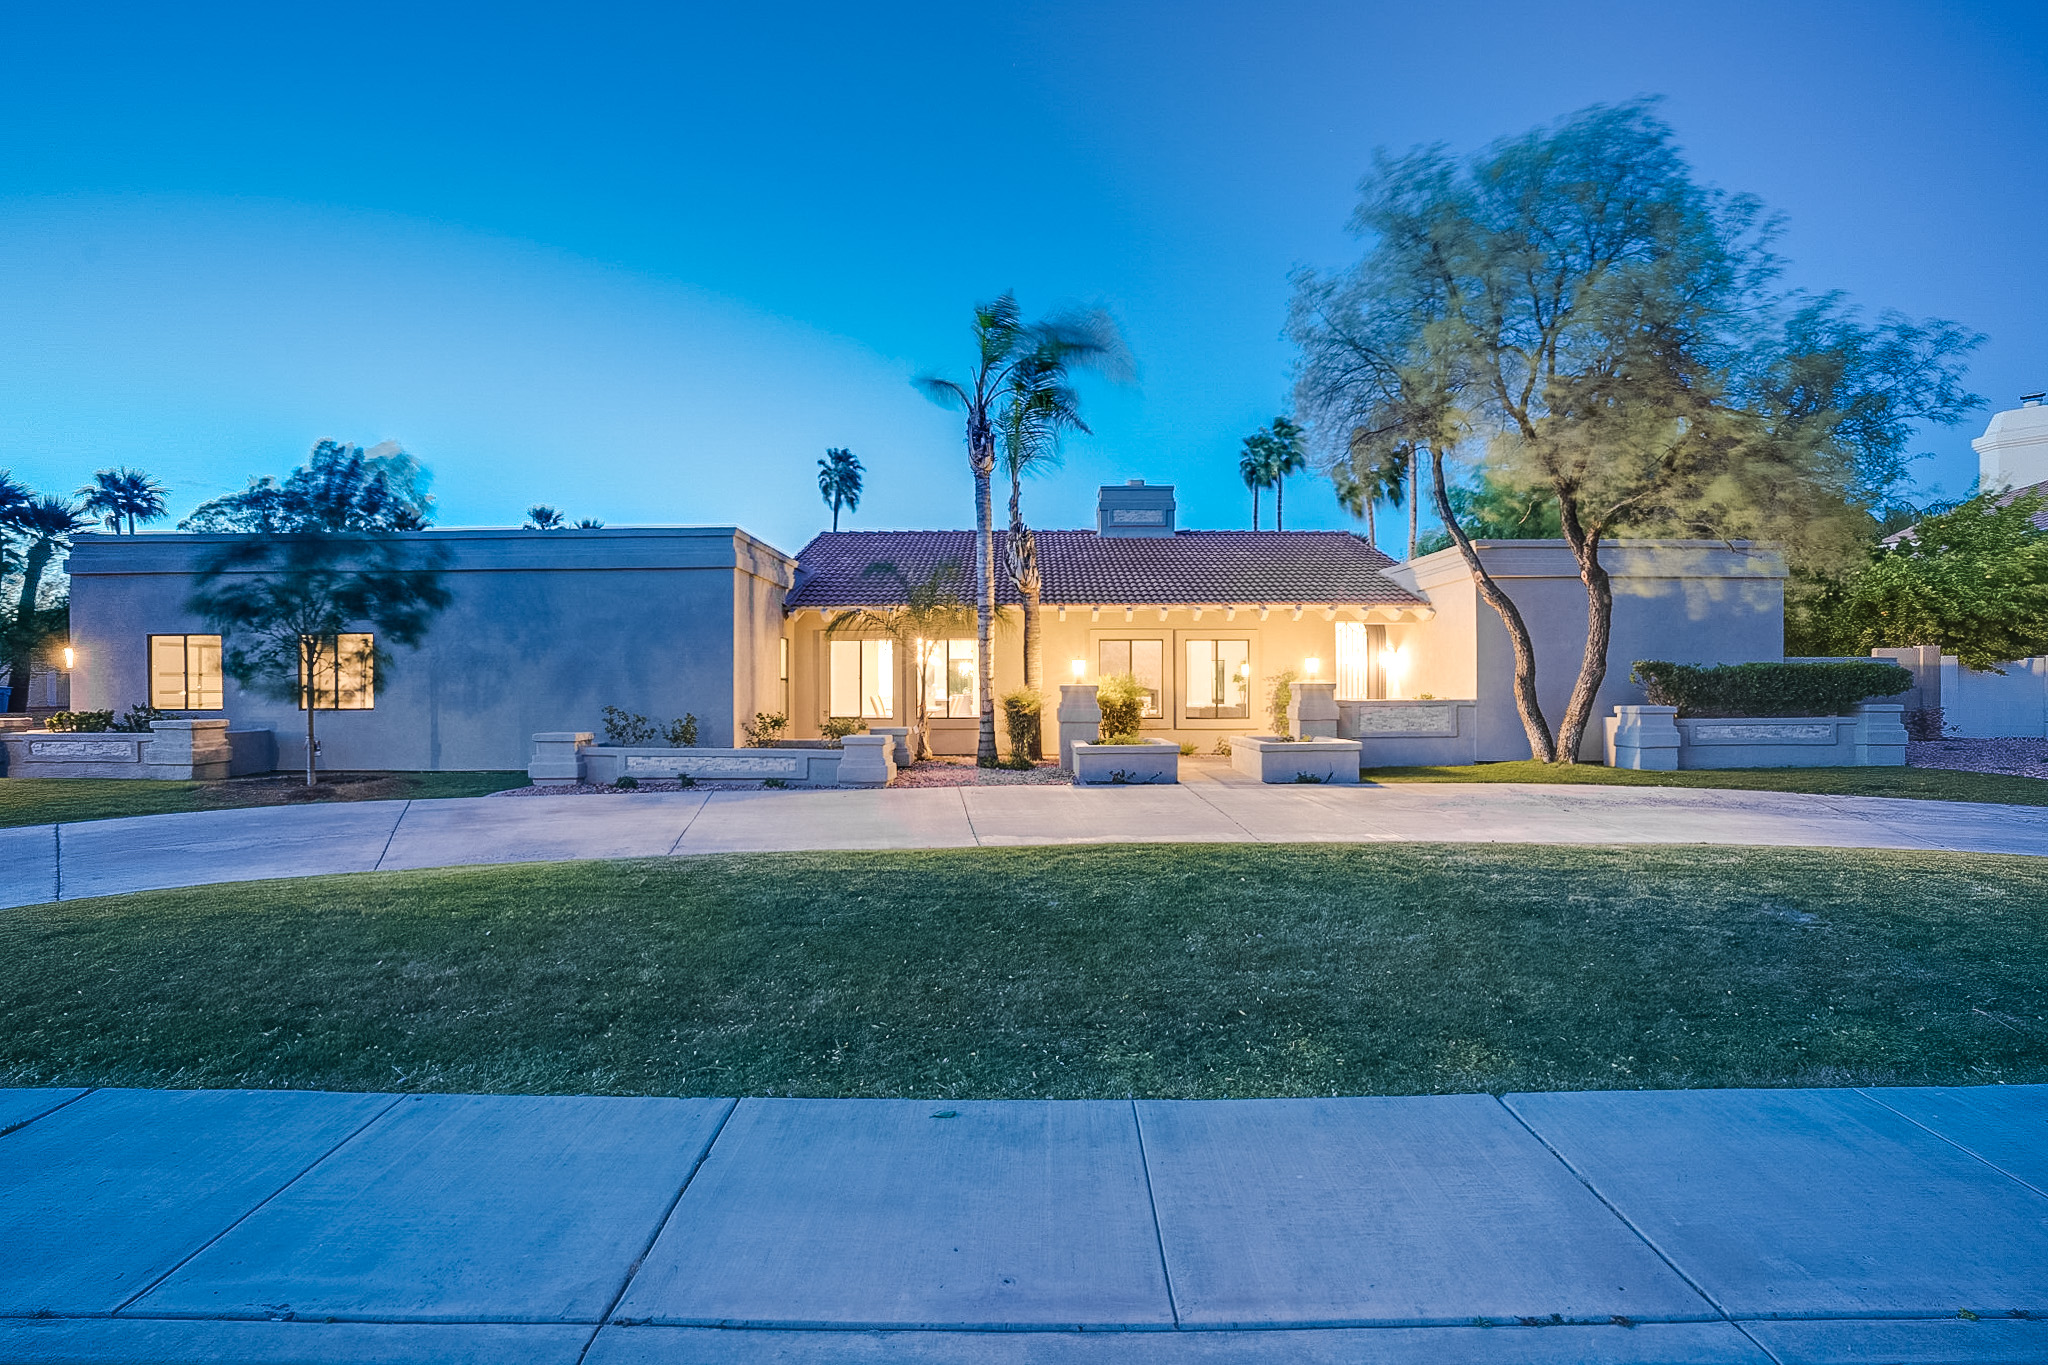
[1312,664]
[1079,669]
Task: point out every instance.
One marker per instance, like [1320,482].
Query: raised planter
[1433,733]
[171,750]
[1270,758]
[1657,739]
[1151,763]
[563,757]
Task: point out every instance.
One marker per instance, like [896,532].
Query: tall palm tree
[47,524]
[839,482]
[14,497]
[1003,341]
[1365,482]
[117,493]
[1251,466]
[1290,456]
[930,613]
[541,517]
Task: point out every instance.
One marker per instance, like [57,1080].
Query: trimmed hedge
[1768,689]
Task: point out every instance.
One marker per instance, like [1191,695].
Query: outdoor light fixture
[70,658]
[1312,664]
[1244,670]
[1079,669]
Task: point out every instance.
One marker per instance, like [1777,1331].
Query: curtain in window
[1361,655]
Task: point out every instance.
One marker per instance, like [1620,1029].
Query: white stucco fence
[1658,739]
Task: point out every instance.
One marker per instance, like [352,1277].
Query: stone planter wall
[1155,762]
[1398,734]
[1654,738]
[563,757]
[172,750]
[1270,758]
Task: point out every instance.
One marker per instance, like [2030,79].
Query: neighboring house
[547,628]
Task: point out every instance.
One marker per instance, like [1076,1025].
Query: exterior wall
[1974,705]
[1698,602]
[1277,644]
[546,629]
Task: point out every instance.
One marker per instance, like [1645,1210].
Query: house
[547,628]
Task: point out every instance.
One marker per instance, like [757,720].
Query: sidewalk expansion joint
[1973,1154]
[385,852]
[683,833]
[1152,1203]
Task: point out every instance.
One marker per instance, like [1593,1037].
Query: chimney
[2013,451]
[1134,508]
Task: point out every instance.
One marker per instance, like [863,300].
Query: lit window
[1143,659]
[951,679]
[1219,679]
[343,669]
[864,679]
[184,672]
[1361,661]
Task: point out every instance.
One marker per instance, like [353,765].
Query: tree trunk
[1599,628]
[1279,504]
[1414,501]
[1526,700]
[985,602]
[920,657]
[1255,507]
[1372,530]
[21,658]
[309,663]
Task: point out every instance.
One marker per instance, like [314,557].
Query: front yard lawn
[1156,971]
[53,800]
[1923,784]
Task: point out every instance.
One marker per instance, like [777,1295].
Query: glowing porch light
[1313,665]
[1394,663]
[70,658]
[1079,669]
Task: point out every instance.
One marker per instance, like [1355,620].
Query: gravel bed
[2013,757]
[961,772]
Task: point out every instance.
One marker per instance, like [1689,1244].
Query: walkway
[1635,1226]
[105,857]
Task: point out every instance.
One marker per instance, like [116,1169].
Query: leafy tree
[1605,329]
[839,475]
[1003,342]
[541,517]
[1489,509]
[45,525]
[1270,455]
[339,488]
[1972,579]
[931,610]
[115,494]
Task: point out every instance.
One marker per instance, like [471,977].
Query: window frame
[1241,712]
[880,651]
[939,658]
[1155,709]
[186,692]
[362,691]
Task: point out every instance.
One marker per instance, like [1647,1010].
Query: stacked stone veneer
[562,757]
[1656,739]
[1412,733]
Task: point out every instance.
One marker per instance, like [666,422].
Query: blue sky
[646,263]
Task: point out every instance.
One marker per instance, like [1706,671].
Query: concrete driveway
[1687,1226]
[106,857]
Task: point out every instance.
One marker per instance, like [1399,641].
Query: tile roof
[1081,568]
[2005,499]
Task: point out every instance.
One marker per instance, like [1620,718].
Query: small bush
[1924,723]
[1223,748]
[81,722]
[1768,689]
[627,782]
[839,727]
[777,783]
[1187,748]
[627,729]
[764,729]
[1278,700]
[1123,708]
[685,781]
[139,720]
[1022,710]
[682,734]
[1316,779]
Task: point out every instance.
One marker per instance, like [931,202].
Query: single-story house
[547,628]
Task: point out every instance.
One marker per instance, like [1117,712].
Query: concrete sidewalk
[1642,1226]
[105,857]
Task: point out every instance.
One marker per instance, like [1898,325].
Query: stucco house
[549,627]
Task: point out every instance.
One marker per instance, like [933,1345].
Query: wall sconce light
[1244,670]
[1079,669]
[1312,664]
[70,658]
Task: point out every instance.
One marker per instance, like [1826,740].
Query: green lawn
[1155,971]
[1926,784]
[48,800]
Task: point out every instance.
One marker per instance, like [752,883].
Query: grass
[1156,971]
[1924,784]
[50,800]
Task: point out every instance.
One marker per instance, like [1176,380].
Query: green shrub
[1278,700]
[775,782]
[628,729]
[81,722]
[1188,748]
[839,727]
[1022,710]
[627,782]
[1768,689]
[139,720]
[682,734]
[764,729]
[685,781]
[1123,708]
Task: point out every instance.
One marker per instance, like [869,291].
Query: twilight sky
[645,263]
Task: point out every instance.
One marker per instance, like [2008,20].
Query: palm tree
[117,493]
[1040,407]
[931,612]
[839,482]
[1252,467]
[541,517]
[47,523]
[1003,341]
[588,524]
[1364,483]
[1289,456]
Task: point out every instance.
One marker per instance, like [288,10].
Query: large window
[1361,661]
[863,679]
[184,672]
[951,681]
[1219,680]
[1143,659]
[344,672]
